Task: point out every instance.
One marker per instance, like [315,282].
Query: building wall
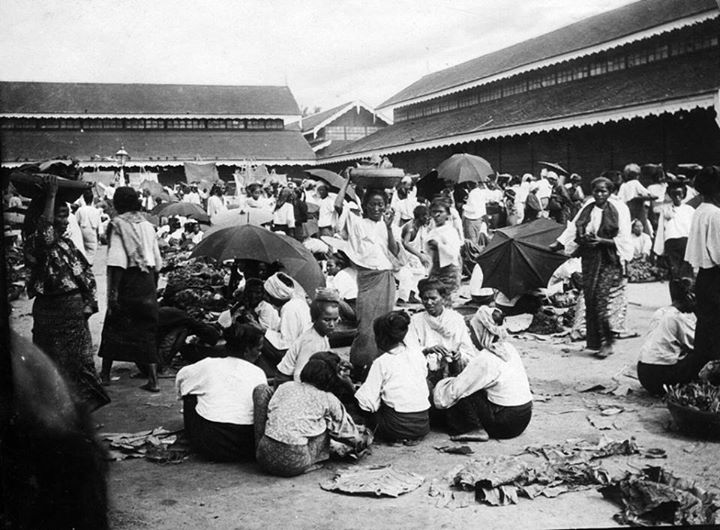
[686,137]
[352,125]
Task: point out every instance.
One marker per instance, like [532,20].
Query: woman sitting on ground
[667,356]
[395,391]
[441,330]
[294,425]
[489,396]
[217,396]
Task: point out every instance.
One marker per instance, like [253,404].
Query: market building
[333,130]
[161,127]
[636,84]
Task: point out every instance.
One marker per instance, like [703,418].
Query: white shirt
[403,207]
[671,335]
[109,192]
[75,234]
[294,320]
[623,243]
[285,215]
[632,189]
[192,197]
[703,246]
[505,382]
[117,257]
[300,351]
[448,330]
[642,245]
[448,244]
[475,206]
[659,189]
[215,205]
[88,217]
[368,242]
[326,211]
[268,315]
[223,386]
[398,379]
[544,189]
[674,222]
[345,281]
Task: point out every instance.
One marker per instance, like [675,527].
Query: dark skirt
[654,376]
[61,330]
[707,310]
[393,426]
[221,442]
[289,460]
[602,276]
[376,296]
[476,411]
[130,333]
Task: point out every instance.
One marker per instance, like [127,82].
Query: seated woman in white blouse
[217,396]
[395,391]
[489,396]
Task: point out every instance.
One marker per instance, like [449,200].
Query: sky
[328,52]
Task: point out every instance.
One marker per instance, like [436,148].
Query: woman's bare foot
[150,387]
[105,380]
[605,351]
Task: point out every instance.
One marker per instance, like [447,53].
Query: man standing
[474,212]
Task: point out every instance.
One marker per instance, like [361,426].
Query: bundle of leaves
[701,396]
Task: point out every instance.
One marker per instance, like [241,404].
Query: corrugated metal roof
[133,99]
[156,145]
[651,83]
[602,28]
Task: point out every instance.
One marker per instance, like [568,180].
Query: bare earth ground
[198,494]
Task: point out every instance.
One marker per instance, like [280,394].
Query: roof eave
[389,105]
[655,108]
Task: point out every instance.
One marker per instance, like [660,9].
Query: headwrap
[276,288]
[490,336]
[327,294]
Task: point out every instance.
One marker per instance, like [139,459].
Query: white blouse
[703,246]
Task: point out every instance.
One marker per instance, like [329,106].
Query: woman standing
[443,245]
[600,236]
[673,228]
[395,392]
[133,264]
[284,213]
[374,251]
[703,253]
[62,283]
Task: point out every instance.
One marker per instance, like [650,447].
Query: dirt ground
[199,494]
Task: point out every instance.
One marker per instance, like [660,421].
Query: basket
[376,177]
[695,422]
[30,185]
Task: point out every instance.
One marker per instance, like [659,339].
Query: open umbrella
[238,217]
[184,209]
[463,167]
[554,166]
[518,260]
[429,185]
[332,179]
[260,244]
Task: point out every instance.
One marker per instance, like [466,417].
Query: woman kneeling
[294,425]
[490,394]
[396,390]
[217,397]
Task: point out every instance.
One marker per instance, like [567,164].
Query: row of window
[135,123]
[348,133]
[599,66]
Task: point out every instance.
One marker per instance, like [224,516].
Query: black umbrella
[518,260]
[430,185]
[554,166]
[332,179]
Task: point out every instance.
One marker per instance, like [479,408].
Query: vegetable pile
[196,288]
[701,396]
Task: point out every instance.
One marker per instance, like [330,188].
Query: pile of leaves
[641,270]
[546,322]
[545,470]
[158,445]
[196,288]
[654,496]
[701,396]
[376,481]
[174,257]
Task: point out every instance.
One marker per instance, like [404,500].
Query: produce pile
[546,322]
[701,396]
[641,270]
[174,256]
[196,288]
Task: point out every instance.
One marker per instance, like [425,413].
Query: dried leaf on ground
[654,496]
[454,449]
[375,481]
[601,422]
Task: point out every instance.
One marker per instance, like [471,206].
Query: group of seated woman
[434,368]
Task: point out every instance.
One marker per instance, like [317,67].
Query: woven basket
[695,422]
[376,177]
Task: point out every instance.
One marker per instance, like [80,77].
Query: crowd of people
[272,388]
